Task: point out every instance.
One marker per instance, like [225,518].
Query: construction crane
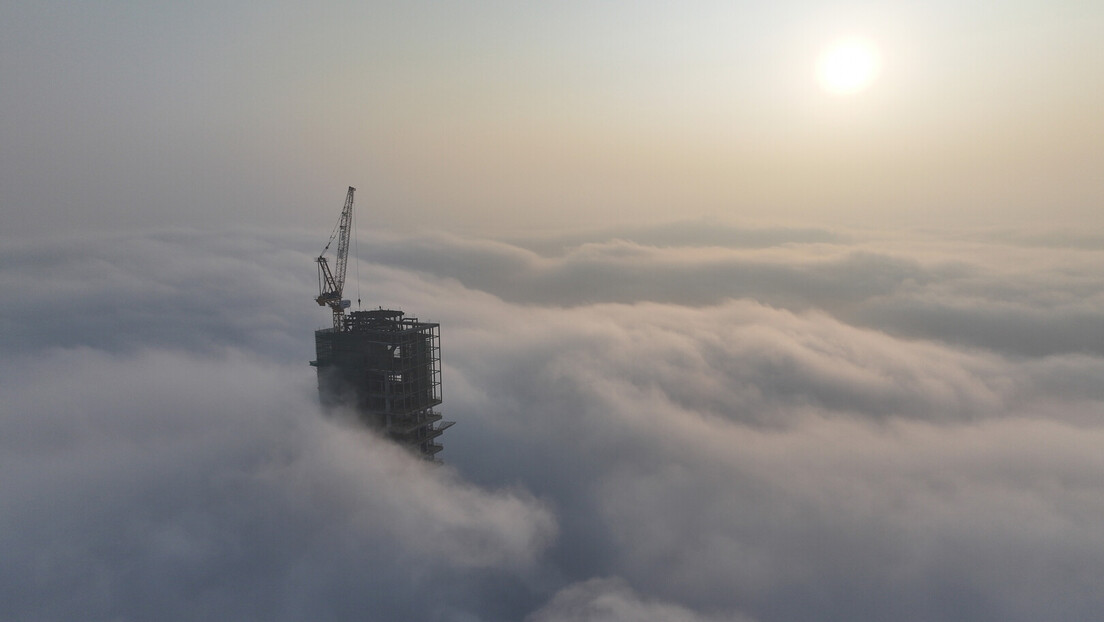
[330,284]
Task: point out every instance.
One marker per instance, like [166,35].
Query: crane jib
[331,284]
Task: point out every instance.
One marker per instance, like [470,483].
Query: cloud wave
[827,426]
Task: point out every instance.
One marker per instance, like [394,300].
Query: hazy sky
[721,345]
[481,116]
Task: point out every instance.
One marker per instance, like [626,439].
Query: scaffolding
[387,369]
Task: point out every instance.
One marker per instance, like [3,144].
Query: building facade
[385,368]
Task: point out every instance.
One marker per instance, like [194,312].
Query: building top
[382,320]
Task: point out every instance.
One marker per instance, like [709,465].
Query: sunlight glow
[848,66]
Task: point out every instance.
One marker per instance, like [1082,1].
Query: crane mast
[331,283]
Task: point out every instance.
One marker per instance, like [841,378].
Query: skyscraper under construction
[381,365]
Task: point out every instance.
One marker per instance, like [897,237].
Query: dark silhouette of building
[385,368]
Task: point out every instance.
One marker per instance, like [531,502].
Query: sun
[848,66]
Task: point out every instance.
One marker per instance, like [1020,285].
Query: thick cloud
[797,427]
[1021,298]
[163,485]
[613,600]
[173,289]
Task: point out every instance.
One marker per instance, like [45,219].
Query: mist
[698,422]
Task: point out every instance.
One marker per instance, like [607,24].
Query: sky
[505,116]
[720,344]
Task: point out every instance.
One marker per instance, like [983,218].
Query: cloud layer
[694,423]
[167,485]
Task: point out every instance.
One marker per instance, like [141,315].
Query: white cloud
[612,600]
[803,449]
[173,482]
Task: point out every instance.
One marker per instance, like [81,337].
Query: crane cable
[333,236]
[356,253]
